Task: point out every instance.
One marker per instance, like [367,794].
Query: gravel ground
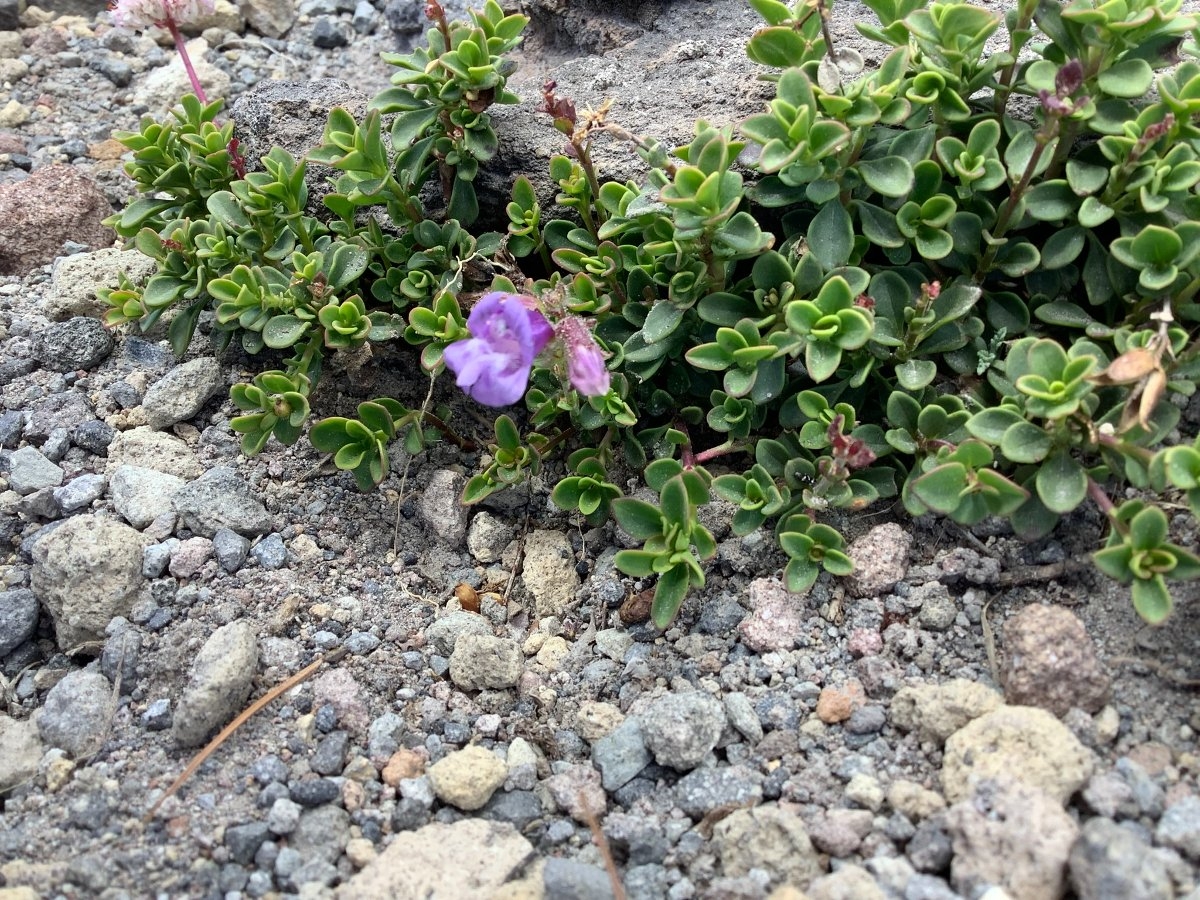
[966,717]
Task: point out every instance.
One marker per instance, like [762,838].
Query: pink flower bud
[585,360]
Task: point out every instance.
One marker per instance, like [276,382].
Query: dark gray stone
[231,549]
[703,790]
[112,67]
[270,552]
[409,815]
[243,841]
[312,792]
[94,436]
[520,808]
[329,33]
[565,879]
[221,499]
[157,716]
[330,755]
[78,343]
[77,713]
[930,849]
[621,754]
[18,619]
[40,505]
[12,423]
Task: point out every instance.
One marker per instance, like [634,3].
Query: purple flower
[493,364]
[585,361]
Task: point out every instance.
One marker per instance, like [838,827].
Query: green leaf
[282,332]
[891,176]
[675,507]
[1148,529]
[1061,482]
[831,236]
[641,520]
[916,374]
[668,596]
[990,425]
[1152,600]
[1130,78]
[636,563]
[942,487]
[1024,442]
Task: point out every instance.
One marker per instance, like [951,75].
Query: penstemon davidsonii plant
[961,309]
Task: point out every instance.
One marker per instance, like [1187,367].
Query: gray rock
[621,754]
[741,715]
[77,713]
[440,508]
[938,609]
[20,751]
[270,552]
[118,660]
[565,879]
[682,729]
[93,436]
[80,492]
[321,833]
[518,808]
[142,495]
[548,571]
[284,816]
[221,499]
[58,442]
[930,849]
[1050,661]
[243,841]
[39,506]
[78,343]
[488,536]
[483,661]
[330,755]
[230,548]
[703,790]
[156,557]
[150,449]
[1147,793]
[29,471]
[157,716]
[365,18]
[12,423]
[218,684]
[182,392]
[271,18]
[1110,861]
[384,735]
[18,619]
[75,279]
[1179,828]
[444,633]
[87,571]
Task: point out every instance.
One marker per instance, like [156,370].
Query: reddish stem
[181,46]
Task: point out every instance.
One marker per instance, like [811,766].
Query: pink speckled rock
[880,560]
[775,622]
[865,642]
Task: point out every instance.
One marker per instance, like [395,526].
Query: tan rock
[1023,742]
[936,711]
[471,858]
[467,778]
